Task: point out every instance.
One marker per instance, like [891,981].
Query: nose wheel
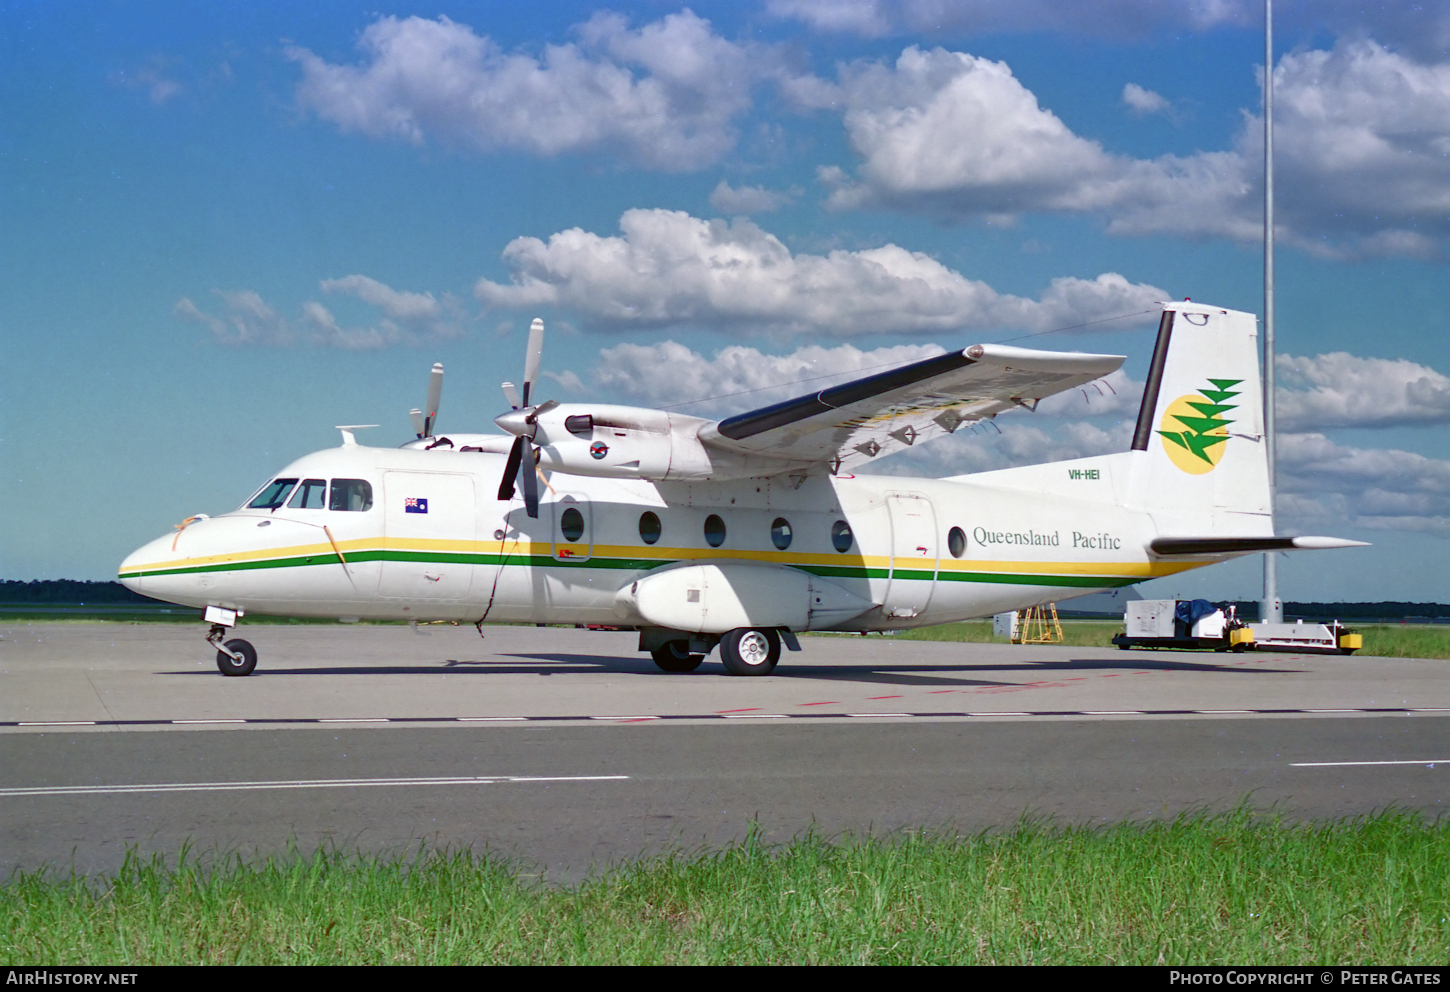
[235,657]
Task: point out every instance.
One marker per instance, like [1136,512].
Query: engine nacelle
[622,442]
[713,597]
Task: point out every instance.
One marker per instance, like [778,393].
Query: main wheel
[675,657]
[747,651]
[228,665]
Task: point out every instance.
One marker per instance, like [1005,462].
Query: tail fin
[1199,451]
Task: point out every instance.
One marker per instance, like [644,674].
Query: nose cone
[516,423]
[133,573]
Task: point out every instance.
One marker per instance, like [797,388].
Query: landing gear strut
[235,657]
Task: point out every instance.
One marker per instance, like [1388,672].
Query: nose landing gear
[235,657]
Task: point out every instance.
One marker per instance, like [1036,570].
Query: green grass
[1200,890]
[1385,641]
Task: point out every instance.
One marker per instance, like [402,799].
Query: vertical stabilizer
[1199,459]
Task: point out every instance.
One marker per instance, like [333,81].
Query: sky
[226,228]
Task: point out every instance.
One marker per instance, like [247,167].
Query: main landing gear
[235,657]
[743,651]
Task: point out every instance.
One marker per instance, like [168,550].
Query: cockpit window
[351,494]
[273,496]
[311,495]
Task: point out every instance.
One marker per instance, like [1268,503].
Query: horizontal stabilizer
[1235,545]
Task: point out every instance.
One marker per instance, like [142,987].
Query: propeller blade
[512,395]
[545,407]
[511,470]
[531,362]
[530,472]
[417,416]
[435,392]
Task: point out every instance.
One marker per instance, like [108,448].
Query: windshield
[273,496]
[311,495]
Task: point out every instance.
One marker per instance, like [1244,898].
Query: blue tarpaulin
[1190,611]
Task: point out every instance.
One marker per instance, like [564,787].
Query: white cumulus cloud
[664,95]
[749,199]
[669,268]
[1343,390]
[1362,145]
[1142,101]
[408,318]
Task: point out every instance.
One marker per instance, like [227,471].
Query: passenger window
[841,536]
[351,494]
[311,495]
[714,531]
[273,495]
[650,528]
[957,542]
[780,533]
[571,525]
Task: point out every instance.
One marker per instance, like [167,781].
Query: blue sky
[225,229]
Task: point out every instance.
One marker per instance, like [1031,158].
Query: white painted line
[1333,711]
[1430,709]
[57,723]
[488,719]
[1351,764]
[567,778]
[208,721]
[1222,711]
[624,718]
[1112,712]
[754,716]
[336,783]
[1002,713]
[877,714]
[354,719]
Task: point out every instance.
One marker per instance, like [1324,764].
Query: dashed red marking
[748,709]
[828,702]
[933,692]
[1112,676]
[890,697]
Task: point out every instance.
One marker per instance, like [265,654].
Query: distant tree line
[1352,611]
[68,591]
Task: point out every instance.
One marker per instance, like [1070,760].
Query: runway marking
[742,714]
[1355,764]
[332,783]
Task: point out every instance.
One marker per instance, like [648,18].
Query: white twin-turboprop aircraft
[745,531]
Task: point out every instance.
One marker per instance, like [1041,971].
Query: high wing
[859,421]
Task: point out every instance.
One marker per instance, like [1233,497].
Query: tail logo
[1199,443]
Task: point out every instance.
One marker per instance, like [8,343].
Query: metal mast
[1272,608]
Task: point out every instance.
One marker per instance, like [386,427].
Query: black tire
[676,657]
[227,665]
[750,651]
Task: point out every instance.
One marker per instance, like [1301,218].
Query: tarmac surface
[568,749]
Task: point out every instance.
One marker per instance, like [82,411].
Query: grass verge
[1380,640]
[1200,890]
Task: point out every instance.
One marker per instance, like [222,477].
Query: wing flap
[858,421]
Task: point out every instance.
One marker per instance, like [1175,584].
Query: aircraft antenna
[1271,609]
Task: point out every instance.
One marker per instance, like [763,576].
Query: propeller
[425,419]
[522,422]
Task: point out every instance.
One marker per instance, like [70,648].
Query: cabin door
[913,555]
[429,530]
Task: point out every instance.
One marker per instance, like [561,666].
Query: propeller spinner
[522,422]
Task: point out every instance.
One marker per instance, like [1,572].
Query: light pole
[1272,608]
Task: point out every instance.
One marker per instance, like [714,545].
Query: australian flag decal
[415,505]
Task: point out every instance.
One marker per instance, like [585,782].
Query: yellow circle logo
[1194,429]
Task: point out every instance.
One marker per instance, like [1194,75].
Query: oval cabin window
[571,524]
[841,536]
[714,531]
[649,527]
[780,533]
[957,542]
